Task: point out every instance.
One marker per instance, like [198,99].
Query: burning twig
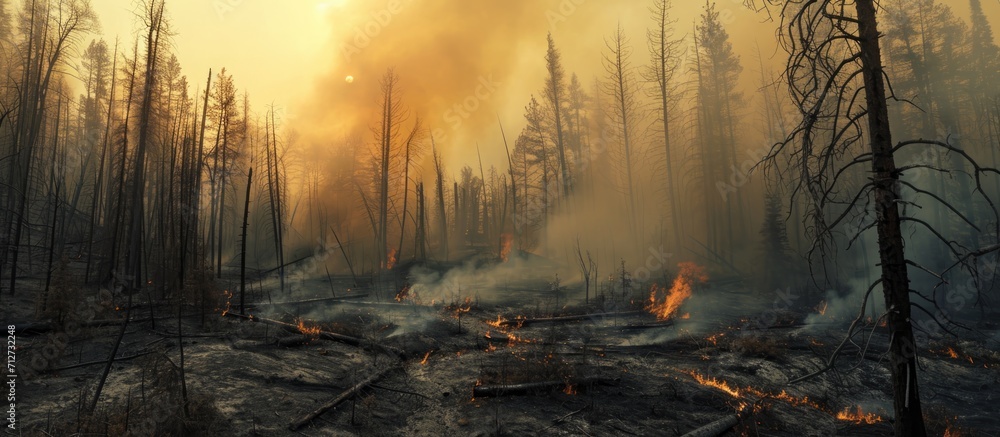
[347,394]
[353,341]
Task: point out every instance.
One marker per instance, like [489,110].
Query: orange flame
[229,296]
[390,259]
[570,389]
[423,362]
[689,275]
[821,308]
[312,331]
[858,417]
[506,241]
[498,323]
[951,353]
[403,294]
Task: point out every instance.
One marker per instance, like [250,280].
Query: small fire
[498,323]
[312,331]
[423,362]
[858,417]
[570,389]
[690,275]
[951,353]
[390,260]
[229,296]
[714,338]
[403,294]
[491,348]
[458,309]
[821,308]
[506,241]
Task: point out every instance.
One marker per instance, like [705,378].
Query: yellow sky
[296,53]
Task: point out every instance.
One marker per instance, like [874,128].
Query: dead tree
[844,101]
[665,54]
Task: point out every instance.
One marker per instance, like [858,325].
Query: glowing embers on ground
[745,393]
[423,362]
[950,352]
[858,417]
[690,275]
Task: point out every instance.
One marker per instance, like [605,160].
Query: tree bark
[895,281]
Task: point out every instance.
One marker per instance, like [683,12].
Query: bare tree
[837,81]
[665,51]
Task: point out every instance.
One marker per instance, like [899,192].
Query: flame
[229,296]
[821,308]
[498,323]
[312,331]
[689,275]
[717,383]
[951,353]
[858,417]
[459,309]
[403,294]
[737,392]
[390,260]
[506,241]
[423,362]
[491,348]
[570,389]
[714,338]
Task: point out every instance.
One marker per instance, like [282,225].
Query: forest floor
[618,371]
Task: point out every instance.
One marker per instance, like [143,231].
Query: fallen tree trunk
[317,300]
[347,394]
[346,339]
[483,391]
[715,428]
[572,318]
[662,324]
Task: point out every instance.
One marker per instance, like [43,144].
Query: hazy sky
[297,53]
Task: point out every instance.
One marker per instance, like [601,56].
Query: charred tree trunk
[895,281]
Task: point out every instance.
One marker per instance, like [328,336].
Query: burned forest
[552,217]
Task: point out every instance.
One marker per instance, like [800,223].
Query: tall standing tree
[837,80]
[555,98]
[623,91]
[665,55]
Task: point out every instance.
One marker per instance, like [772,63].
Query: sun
[349,79]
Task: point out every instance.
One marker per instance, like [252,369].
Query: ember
[423,362]
[690,275]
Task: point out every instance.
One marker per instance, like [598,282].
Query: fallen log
[572,318]
[716,428]
[346,339]
[483,391]
[347,394]
[94,363]
[317,300]
[654,325]
[294,340]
